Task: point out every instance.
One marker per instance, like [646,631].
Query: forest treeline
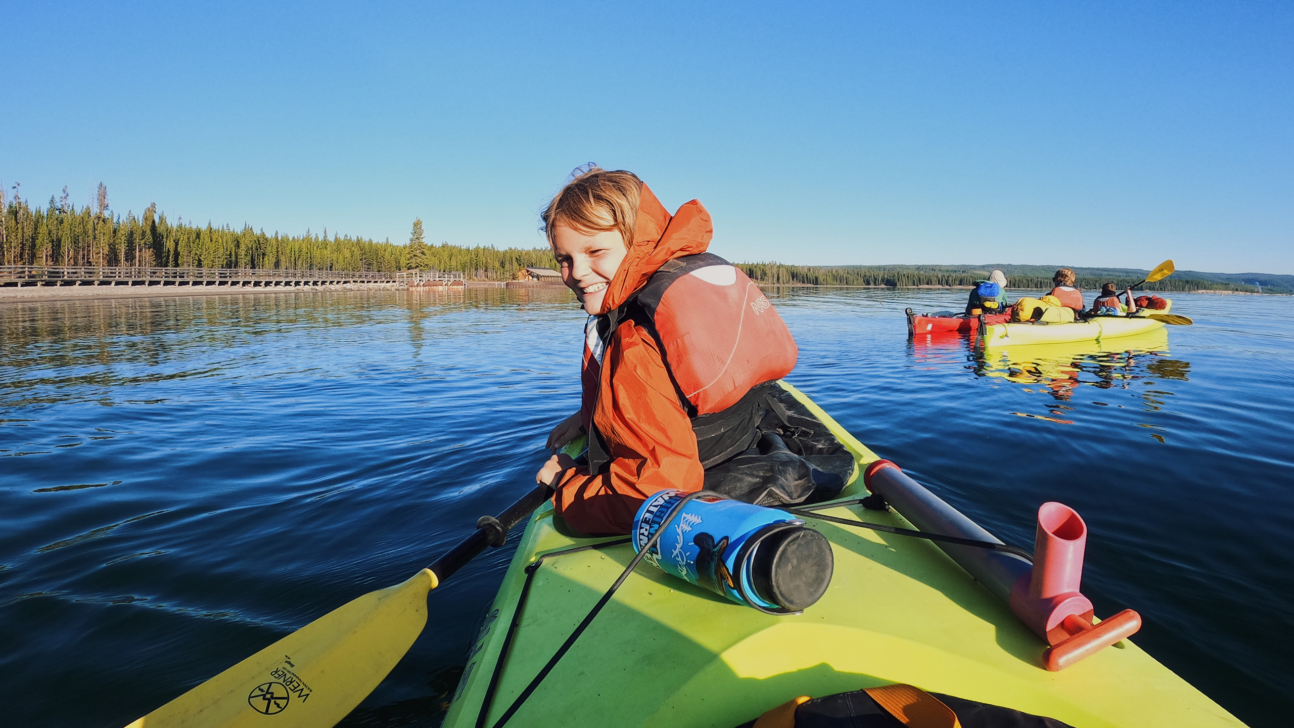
[60,234]
[480,262]
[951,277]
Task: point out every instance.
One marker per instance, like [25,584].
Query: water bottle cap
[793,567]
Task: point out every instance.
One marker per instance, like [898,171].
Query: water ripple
[186,480]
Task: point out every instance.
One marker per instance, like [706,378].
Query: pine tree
[4,227]
[44,245]
[417,246]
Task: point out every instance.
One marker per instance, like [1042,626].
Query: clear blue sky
[1116,134]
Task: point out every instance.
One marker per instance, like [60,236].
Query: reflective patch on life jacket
[719,275]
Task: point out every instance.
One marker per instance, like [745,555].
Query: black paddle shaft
[489,532]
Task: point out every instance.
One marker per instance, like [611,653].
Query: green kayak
[898,610]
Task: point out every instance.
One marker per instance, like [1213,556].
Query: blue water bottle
[757,556]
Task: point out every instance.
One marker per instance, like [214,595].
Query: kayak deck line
[810,511]
[1022,333]
[1094,329]
[664,652]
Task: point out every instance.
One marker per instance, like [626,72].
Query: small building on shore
[542,275]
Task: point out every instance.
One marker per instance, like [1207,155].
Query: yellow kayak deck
[665,653]
[1099,328]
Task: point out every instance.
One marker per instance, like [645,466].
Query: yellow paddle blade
[1164,270]
[1172,318]
[314,676]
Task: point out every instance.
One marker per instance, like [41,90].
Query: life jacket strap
[914,707]
[783,716]
[909,705]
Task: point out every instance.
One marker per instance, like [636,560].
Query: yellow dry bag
[1047,309]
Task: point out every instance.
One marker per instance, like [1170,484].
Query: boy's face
[589,261]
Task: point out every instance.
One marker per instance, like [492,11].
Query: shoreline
[39,294]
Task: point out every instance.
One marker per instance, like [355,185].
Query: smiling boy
[680,350]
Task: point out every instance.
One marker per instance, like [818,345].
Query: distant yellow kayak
[1095,329]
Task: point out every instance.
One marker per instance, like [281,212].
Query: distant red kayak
[947,322]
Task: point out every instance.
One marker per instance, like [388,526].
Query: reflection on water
[1062,370]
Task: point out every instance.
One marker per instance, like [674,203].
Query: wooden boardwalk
[429,278]
[19,276]
[36,275]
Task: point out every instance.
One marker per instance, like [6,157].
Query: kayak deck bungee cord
[809,511]
[898,610]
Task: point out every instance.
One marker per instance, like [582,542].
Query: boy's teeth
[595,288]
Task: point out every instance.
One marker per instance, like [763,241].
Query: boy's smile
[588,261]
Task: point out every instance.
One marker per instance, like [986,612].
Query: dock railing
[430,277]
[23,275]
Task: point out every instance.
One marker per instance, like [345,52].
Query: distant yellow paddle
[318,674]
[1164,270]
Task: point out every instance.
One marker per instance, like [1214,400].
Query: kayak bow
[663,652]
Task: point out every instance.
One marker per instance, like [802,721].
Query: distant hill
[1268,282]
[1018,276]
[1277,282]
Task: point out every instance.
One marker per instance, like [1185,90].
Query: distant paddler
[1065,291]
[1108,303]
[988,296]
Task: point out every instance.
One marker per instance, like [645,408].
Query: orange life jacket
[1109,303]
[719,336]
[1069,296]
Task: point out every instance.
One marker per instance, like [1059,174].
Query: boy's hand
[552,469]
[565,431]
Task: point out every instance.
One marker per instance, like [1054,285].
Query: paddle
[1164,270]
[318,674]
[1171,318]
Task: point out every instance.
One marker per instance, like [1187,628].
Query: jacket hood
[658,238]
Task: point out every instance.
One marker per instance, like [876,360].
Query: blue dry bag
[988,291]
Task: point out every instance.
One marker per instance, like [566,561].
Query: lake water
[182,481]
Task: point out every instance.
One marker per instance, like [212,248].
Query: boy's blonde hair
[1063,277]
[595,201]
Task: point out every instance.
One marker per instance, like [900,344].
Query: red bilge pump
[1044,595]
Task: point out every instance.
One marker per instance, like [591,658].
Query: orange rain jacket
[649,437]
